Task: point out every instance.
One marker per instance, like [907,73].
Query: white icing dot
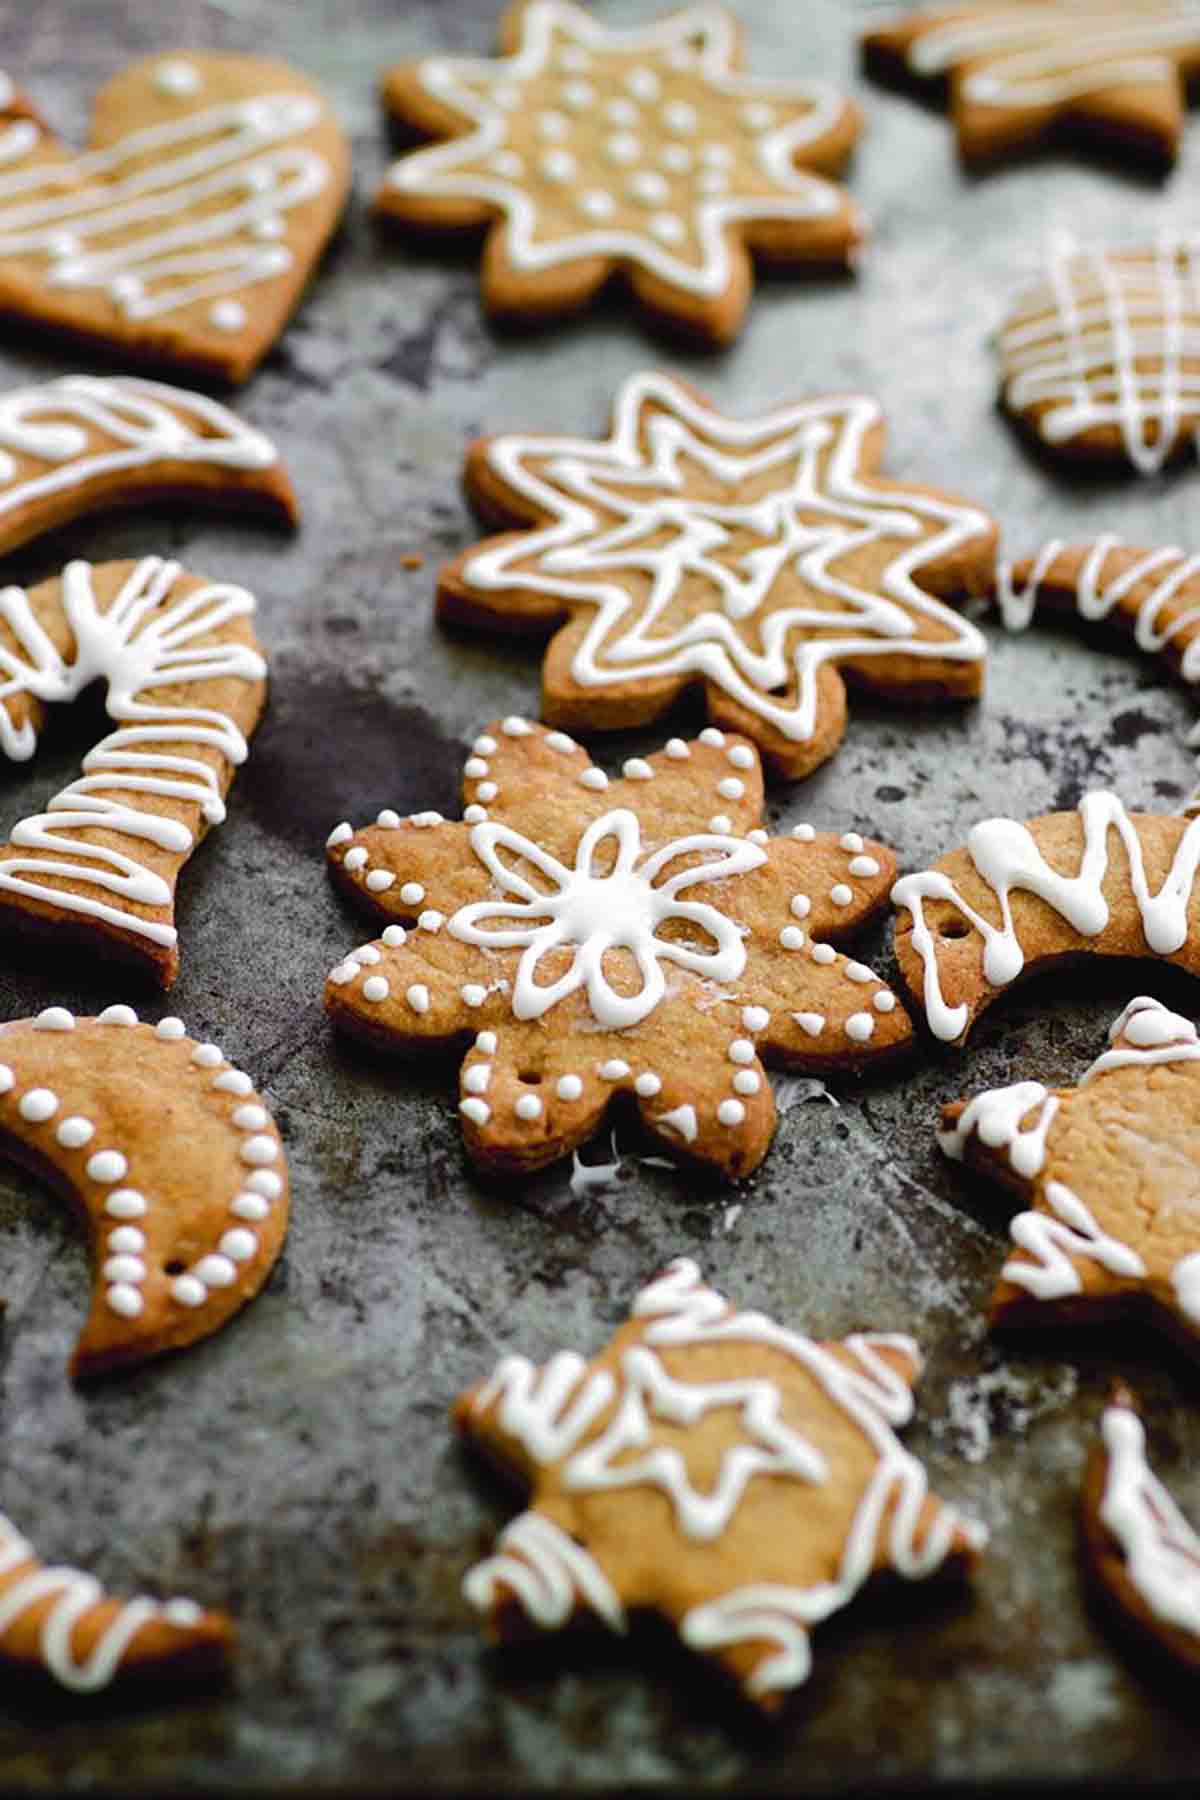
[478,1111]
[621,112]
[850,840]
[249,1206]
[170,1029]
[257,1150]
[636,769]
[623,148]
[755,1018]
[366,953]
[574,57]
[124,1268]
[476,767]
[558,740]
[477,1079]
[269,226]
[731,788]
[710,735]
[717,156]
[54,1018]
[678,115]
[38,1105]
[810,1022]
[741,756]
[864,865]
[127,1240]
[238,1245]
[176,78]
[860,1026]
[840,894]
[389,820]
[792,938]
[720,822]
[677,750]
[758,835]
[473,994]
[558,166]
[233,1081]
[648,187]
[475,815]
[74,1132]
[597,204]
[125,1203]
[801,906]
[486,1042]
[125,1300]
[528,1107]
[118,1015]
[7,1078]
[676,157]
[418,997]
[594,778]
[265,1181]
[569,1087]
[354,859]
[731,1112]
[208,1056]
[643,84]
[184,1613]
[824,953]
[746,1082]
[379,880]
[577,96]
[856,971]
[376,987]
[484,745]
[805,833]
[669,227]
[741,1051]
[508,164]
[215,1271]
[188,1291]
[341,834]
[648,1085]
[251,1118]
[884,1001]
[757,116]
[107,1166]
[430,920]
[487,790]
[412,893]
[227,315]
[425,821]
[614,1069]
[552,126]
[713,181]
[394,936]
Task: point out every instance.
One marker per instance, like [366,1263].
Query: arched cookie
[186,684]
[1018,899]
[170,1156]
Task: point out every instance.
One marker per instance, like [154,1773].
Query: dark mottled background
[297,1468]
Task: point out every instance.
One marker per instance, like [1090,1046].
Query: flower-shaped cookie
[643,936]
[715,1467]
[760,559]
[588,150]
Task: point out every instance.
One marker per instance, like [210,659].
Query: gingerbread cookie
[586,151]
[171,1157]
[186,686]
[1101,359]
[188,231]
[1141,1553]
[643,937]
[1020,898]
[716,1468]
[83,443]
[1107,1168]
[1112,72]
[59,1624]
[759,560]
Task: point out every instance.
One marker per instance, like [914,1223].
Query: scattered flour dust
[1003,1399]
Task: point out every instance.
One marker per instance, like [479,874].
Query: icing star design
[587,150]
[1106,70]
[643,937]
[1109,1170]
[712,1466]
[754,559]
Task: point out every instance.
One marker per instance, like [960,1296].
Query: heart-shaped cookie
[186,232]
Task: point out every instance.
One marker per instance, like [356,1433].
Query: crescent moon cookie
[171,1157]
[1140,1552]
[85,443]
[642,937]
[59,1624]
[1018,899]
[1100,360]
[1109,72]
[759,560]
[714,1467]
[187,231]
[186,684]
[1108,1170]
[586,151]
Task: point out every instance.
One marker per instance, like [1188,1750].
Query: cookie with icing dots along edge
[1098,357]
[58,1625]
[763,561]
[728,1473]
[589,938]
[1103,1170]
[1141,1556]
[170,1157]
[585,151]
[187,231]
[86,443]
[1020,898]
[1017,74]
[186,685]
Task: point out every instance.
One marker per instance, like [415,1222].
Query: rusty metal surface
[298,1468]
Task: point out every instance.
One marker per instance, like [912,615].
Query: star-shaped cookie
[586,151]
[642,937]
[761,560]
[735,1477]
[1111,1173]
[1113,72]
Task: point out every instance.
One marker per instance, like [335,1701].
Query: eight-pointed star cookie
[710,1465]
[1017,899]
[585,151]
[1111,71]
[1111,1173]
[761,560]
[594,938]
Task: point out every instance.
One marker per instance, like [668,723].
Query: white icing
[192,190]
[145,640]
[818,509]
[488,93]
[1110,338]
[1008,859]
[622,908]
[1054,1242]
[549,1574]
[1162,1552]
